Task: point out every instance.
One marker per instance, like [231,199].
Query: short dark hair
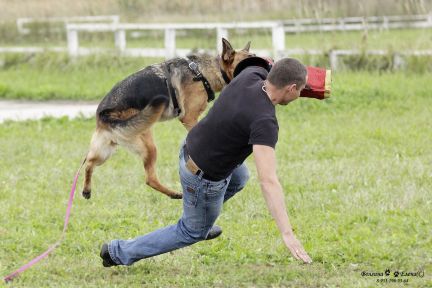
[287,71]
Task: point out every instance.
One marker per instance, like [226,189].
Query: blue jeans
[202,203]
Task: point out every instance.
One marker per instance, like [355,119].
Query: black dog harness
[200,77]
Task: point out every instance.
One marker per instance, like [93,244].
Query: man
[242,121]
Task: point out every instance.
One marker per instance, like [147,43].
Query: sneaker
[214,232]
[104,254]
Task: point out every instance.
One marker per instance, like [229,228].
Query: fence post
[120,39]
[333,60]
[298,26]
[221,33]
[20,26]
[73,43]
[342,24]
[115,19]
[385,23]
[170,45]
[278,39]
[365,24]
[398,61]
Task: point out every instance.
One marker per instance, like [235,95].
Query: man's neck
[270,90]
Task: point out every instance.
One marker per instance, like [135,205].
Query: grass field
[57,77]
[54,76]
[356,171]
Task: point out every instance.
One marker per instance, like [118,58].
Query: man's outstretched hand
[296,249]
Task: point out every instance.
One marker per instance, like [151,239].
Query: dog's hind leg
[101,148]
[148,152]
[143,144]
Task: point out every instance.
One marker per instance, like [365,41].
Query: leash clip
[194,67]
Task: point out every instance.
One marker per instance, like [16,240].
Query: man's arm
[265,161]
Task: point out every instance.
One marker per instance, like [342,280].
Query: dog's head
[230,57]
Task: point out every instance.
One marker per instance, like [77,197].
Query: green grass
[56,76]
[52,76]
[356,170]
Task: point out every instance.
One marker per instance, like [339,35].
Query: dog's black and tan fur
[127,113]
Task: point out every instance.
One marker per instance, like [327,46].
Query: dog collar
[224,74]
[200,77]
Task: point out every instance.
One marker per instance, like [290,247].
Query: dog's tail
[84,161]
[115,118]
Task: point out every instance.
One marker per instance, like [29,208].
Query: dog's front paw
[176,196]
[86,194]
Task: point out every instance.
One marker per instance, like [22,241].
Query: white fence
[278,30]
[21,22]
[358,23]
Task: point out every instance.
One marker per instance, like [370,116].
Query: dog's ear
[247,47]
[227,51]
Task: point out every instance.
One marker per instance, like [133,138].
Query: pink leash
[55,245]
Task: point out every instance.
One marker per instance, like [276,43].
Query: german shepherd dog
[156,93]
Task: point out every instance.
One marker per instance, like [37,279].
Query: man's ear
[247,47]
[227,51]
[291,87]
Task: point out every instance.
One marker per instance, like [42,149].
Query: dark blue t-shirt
[242,115]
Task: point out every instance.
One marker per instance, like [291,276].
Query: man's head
[285,80]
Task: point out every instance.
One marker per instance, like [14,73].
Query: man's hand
[265,160]
[296,248]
